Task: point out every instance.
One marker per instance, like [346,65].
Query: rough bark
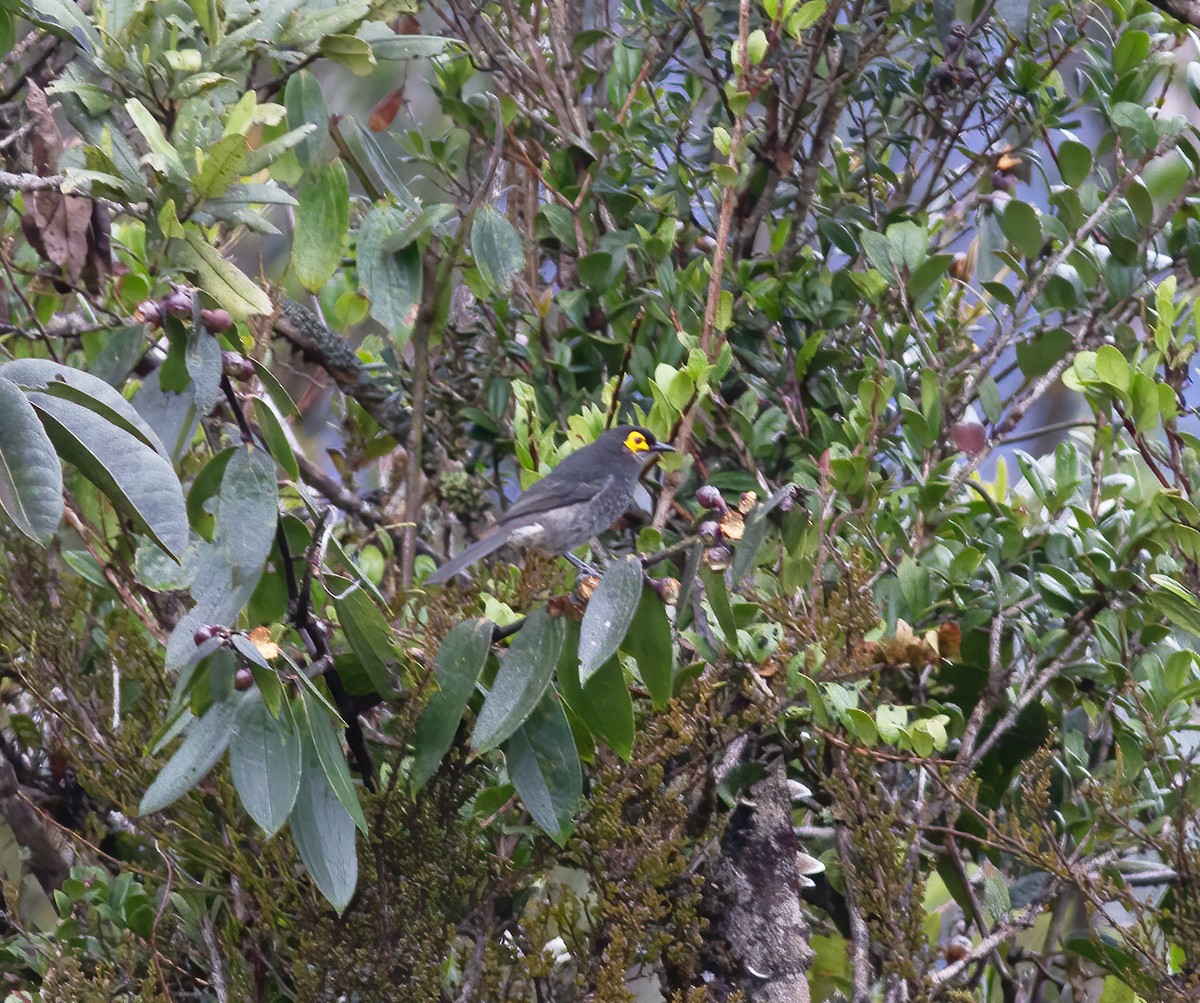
[762,920]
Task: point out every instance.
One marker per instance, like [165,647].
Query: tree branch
[331,352]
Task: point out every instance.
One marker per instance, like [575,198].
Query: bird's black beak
[662,447]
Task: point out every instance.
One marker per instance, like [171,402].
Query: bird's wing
[553,492]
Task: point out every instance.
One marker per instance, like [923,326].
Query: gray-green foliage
[845,256]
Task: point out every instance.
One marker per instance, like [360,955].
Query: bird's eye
[635,442]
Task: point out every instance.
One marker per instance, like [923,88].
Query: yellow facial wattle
[636,442]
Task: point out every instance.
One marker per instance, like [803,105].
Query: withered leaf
[45,139]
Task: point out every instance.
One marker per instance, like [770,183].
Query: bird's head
[635,442]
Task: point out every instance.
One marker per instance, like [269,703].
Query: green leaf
[351,52]
[324,833]
[203,361]
[1046,348]
[914,585]
[460,659]
[135,478]
[1193,82]
[604,704]
[1138,197]
[85,389]
[264,156]
[400,47]
[431,217]
[1137,128]
[861,725]
[649,642]
[543,766]
[204,744]
[164,157]
[305,105]
[247,511]
[221,167]
[879,252]
[806,16]
[370,637]
[275,390]
[524,673]
[264,762]
[499,254]
[1112,368]
[1130,51]
[594,270]
[392,281]
[890,721]
[610,611]
[275,438]
[1075,162]
[1022,227]
[322,222]
[989,399]
[325,738]
[30,472]
[221,279]
[1175,602]
[717,593]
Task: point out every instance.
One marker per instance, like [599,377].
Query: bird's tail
[478,549]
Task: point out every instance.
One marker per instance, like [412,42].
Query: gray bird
[580,498]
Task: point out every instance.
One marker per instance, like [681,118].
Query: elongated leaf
[327,741]
[609,613]
[367,152]
[264,761]
[166,156]
[246,512]
[410,46]
[306,106]
[429,218]
[369,635]
[499,254]
[221,279]
[203,745]
[222,166]
[649,641]
[173,416]
[460,658]
[322,222]
[275,438]
[391,280]
[226,571]
[203,360]
[133,476]
[30,471]
[604,704]
[717,593]
[324,833]
[544,768]
[265,155]
[524,673]
[1175,602]
[86,389]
